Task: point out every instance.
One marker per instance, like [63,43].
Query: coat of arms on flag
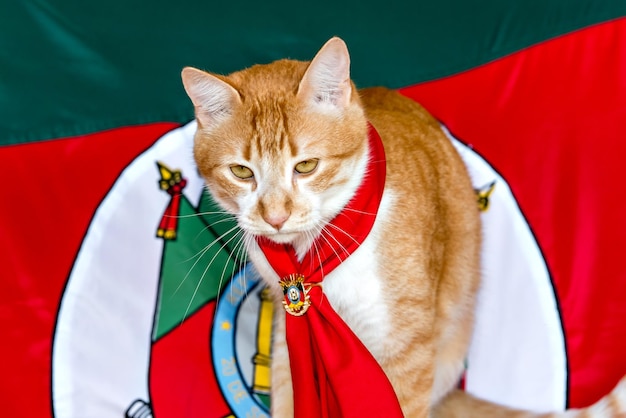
[162,303]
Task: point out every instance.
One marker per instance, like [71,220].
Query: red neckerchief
[333,373]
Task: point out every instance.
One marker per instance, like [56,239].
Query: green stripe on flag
[70,68]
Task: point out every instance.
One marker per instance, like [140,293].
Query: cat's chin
[283,238]
[298,239]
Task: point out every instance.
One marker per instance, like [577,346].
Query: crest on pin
[295,294]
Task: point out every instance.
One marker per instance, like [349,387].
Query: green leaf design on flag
[197,264]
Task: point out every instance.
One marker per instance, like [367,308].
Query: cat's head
[282,146]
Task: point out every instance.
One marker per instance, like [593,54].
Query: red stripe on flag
[53,189]
[182,377]
[550,119]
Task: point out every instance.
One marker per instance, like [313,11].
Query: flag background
[537,88]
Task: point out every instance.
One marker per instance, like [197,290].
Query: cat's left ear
[213,98]
[326,83]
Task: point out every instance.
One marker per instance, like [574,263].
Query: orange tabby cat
[284,146]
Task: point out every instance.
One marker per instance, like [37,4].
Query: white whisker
[315,250]
[327,231]
[206,269]
[346,209]
[201,254]
[193,215]
[336,228]
[215,223]
[239,254]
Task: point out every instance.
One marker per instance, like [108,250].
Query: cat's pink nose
[277,220]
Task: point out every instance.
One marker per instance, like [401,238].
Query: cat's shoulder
[382,99]
[382,102]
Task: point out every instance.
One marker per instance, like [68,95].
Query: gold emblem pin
[296,299]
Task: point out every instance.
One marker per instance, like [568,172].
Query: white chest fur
[357,292]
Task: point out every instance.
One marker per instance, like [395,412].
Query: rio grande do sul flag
[106,306]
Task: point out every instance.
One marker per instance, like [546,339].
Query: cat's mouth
[281,237]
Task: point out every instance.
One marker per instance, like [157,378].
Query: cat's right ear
[213,99]
[326,83]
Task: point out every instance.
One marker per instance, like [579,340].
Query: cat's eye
[242,171]
[306,166]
